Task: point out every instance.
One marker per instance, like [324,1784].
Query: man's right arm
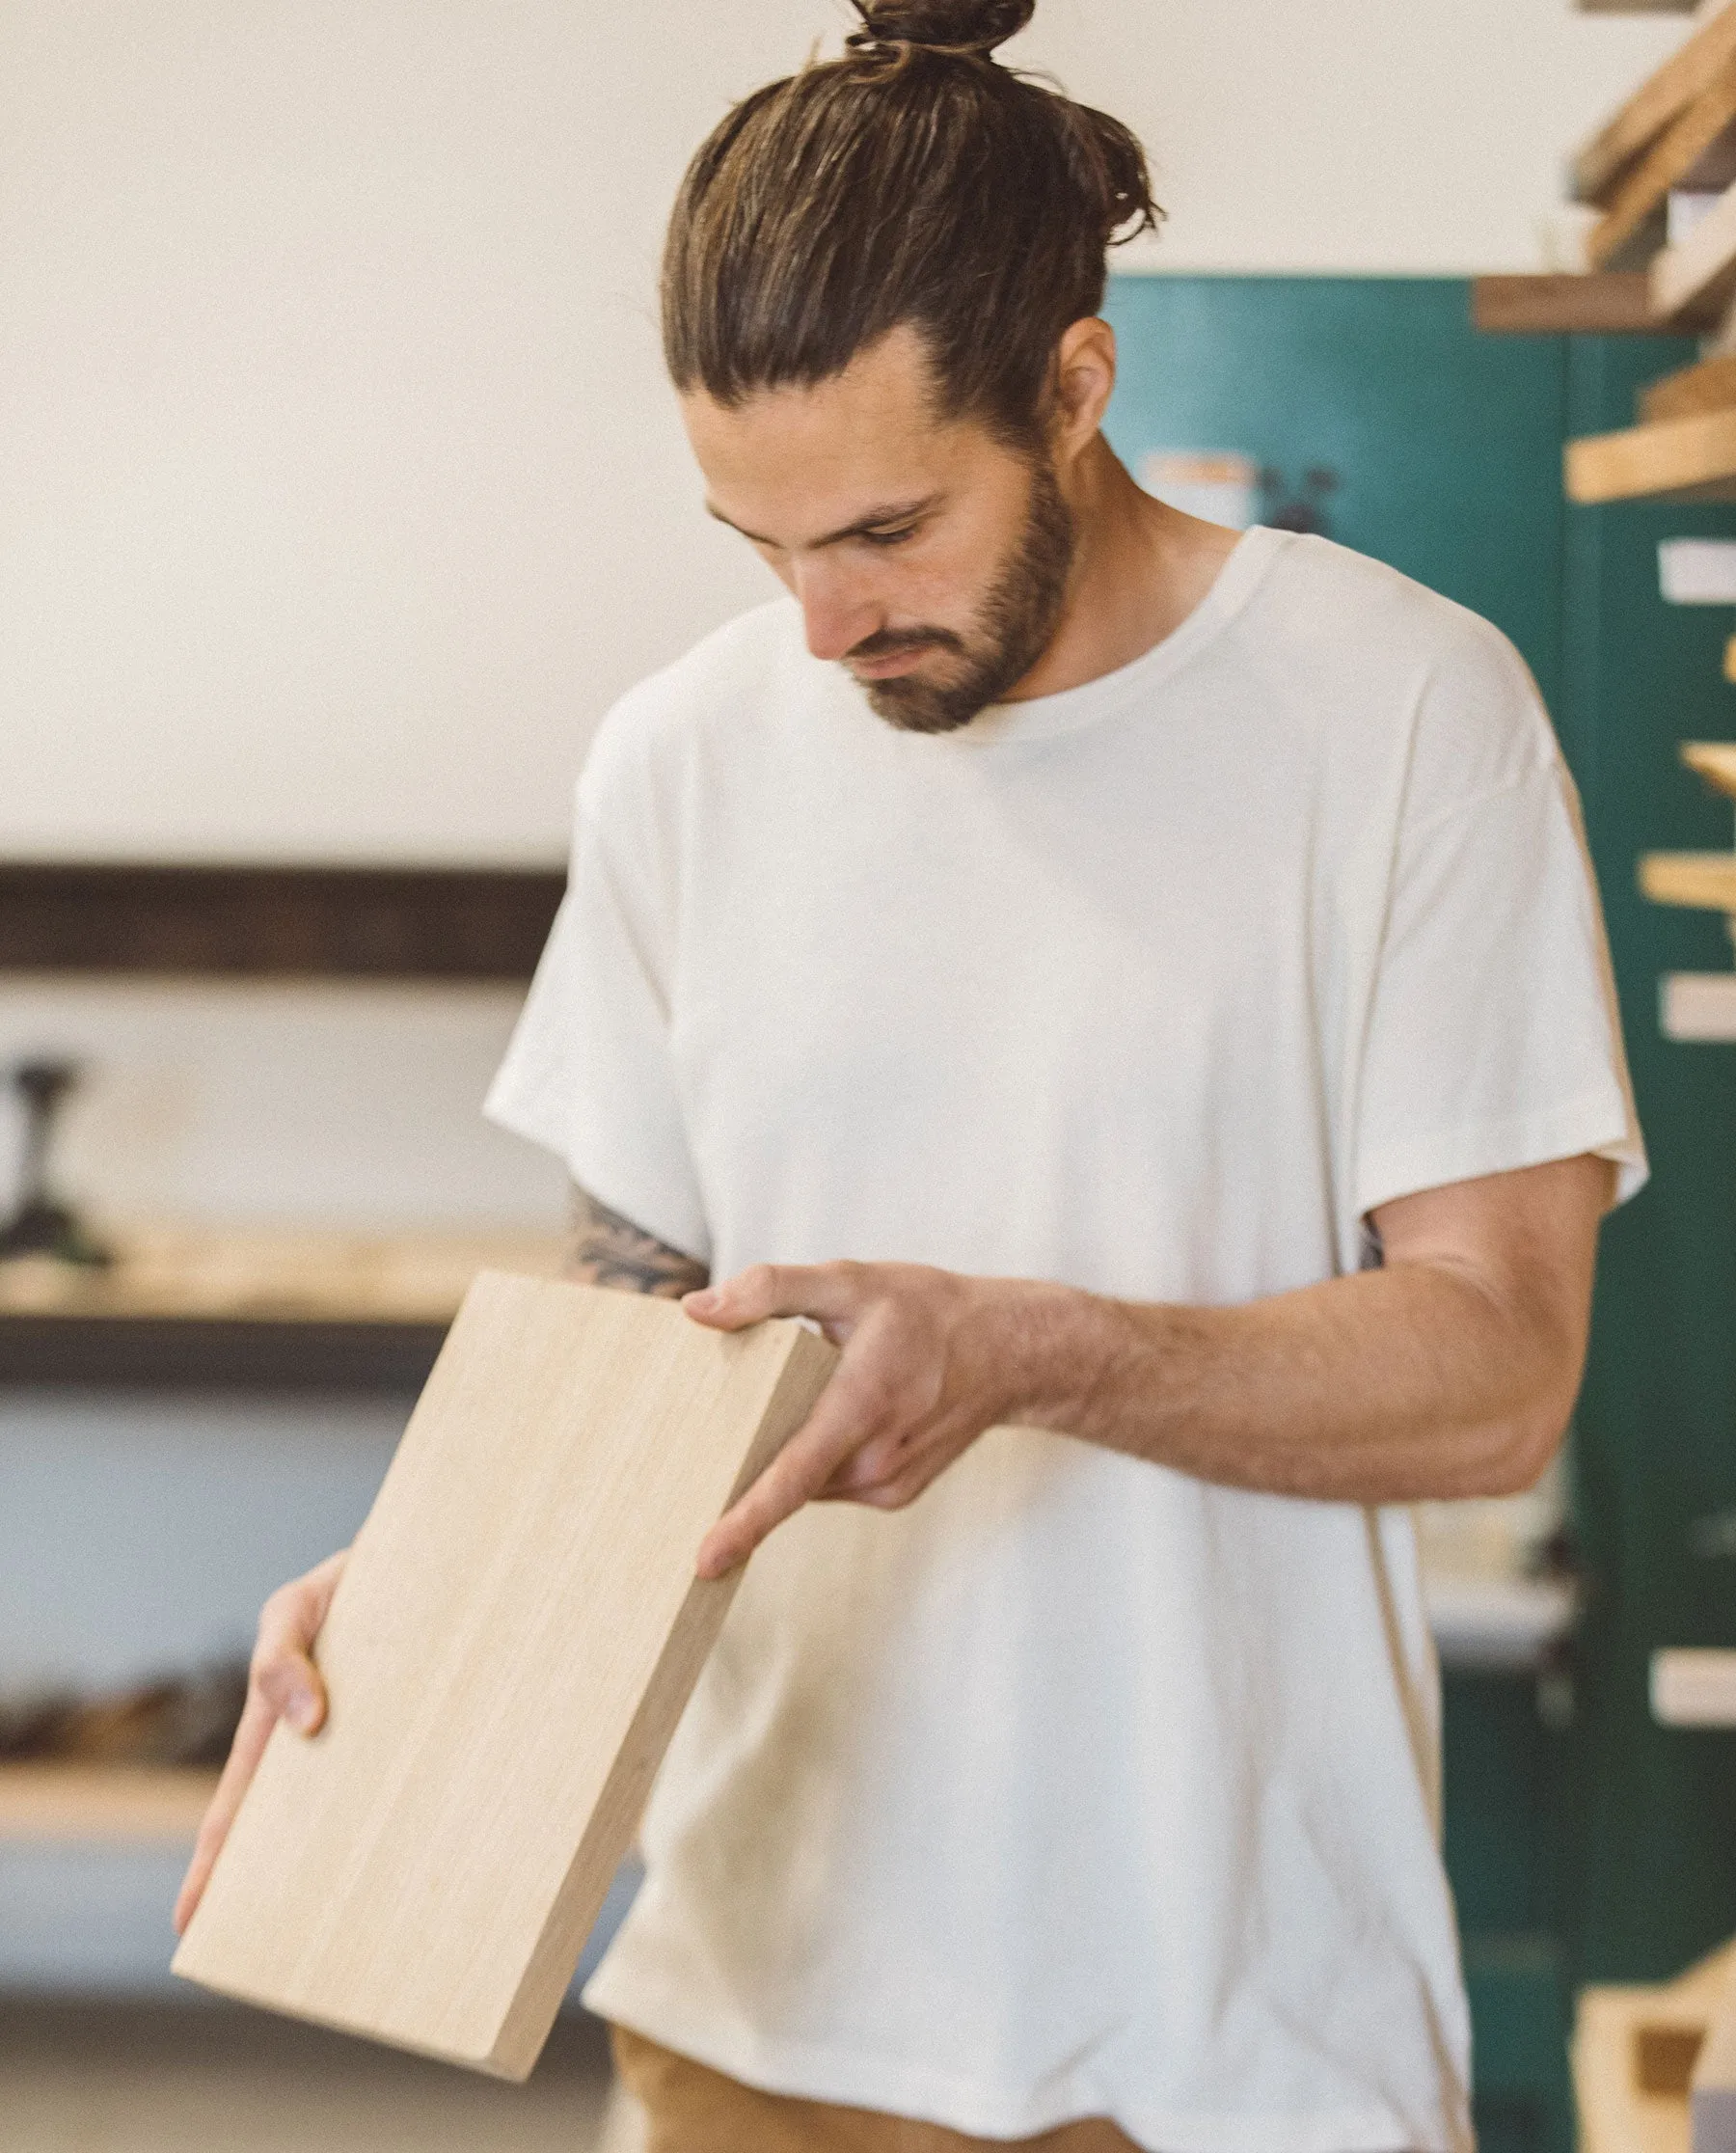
[282,1682]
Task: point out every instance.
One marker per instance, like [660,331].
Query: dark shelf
[149,1352]
[284,922]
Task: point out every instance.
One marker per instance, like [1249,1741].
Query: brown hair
[915,180]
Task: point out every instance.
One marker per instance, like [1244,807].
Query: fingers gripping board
[512,1642]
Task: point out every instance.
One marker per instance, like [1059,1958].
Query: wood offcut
[1683,77]
[516,1634]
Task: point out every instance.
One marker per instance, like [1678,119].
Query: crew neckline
[1068,709]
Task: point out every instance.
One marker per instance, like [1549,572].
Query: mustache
[890,642]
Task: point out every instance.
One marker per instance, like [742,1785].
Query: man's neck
[1141,568]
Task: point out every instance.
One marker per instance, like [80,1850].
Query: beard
[1014,626]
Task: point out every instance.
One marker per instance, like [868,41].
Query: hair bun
[968,28]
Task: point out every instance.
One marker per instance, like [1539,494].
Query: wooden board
[1704,882]
[1694,150]
[1611,302]
[512,1643]
[1709,386]
[1628,2048]
[1677,459]
[1691,282]
[1714,760]
[1660,98]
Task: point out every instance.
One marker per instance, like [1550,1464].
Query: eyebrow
[877,519]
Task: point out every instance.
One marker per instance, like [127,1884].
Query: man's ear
[1084,380]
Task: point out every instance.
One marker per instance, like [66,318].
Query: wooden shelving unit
[106,1805]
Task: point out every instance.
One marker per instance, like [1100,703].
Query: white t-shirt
[1080,1786]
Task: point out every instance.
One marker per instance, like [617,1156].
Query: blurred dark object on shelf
[41,1225]
[187,1719]
[1305,509]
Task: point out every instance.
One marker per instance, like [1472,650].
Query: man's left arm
[1451,1371]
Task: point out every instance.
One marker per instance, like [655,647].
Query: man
[1141,990]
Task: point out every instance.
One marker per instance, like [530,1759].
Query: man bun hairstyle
[915,180]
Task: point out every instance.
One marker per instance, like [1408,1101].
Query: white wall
[340,488]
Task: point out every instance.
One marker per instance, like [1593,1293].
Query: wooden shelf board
[1714,760]
[276,1276]
[1694,150]
[251,1310]
[104,1804]
[428,923]
[1612,302]
[1704,882]
[1683,77]
[1709,384]
[1676,459]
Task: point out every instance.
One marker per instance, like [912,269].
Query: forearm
[1415,1381]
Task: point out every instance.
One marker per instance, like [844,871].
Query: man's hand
[930,1360]
[1449,1372]
[283,1683]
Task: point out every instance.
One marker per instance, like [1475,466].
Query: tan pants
[691,2109]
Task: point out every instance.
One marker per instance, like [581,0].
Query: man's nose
[836,613]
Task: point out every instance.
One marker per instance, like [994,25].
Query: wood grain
[511,1646]
[1677,459]
[1694,150]
[1598,165]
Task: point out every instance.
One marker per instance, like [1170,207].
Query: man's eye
[890,537]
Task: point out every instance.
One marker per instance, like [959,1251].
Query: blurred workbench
[198,1308]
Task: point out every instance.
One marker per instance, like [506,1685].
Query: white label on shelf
[1693,1687]
[1699,1005]
[1223,486]
[1698,571]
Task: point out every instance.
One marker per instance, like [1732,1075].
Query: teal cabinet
[1602,1847]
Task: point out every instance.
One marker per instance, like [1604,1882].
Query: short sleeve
[588,1072]
[1494,1039]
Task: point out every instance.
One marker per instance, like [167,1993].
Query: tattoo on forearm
[606,1249]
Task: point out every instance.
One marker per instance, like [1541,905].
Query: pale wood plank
[102,1803]
[1693,147]
[1705,881]
[512,1643]
[1611,301]
[1677,459]
[1714,760]
[1684,76]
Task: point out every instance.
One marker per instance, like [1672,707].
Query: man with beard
[1139,987]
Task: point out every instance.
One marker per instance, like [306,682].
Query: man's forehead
[802,463]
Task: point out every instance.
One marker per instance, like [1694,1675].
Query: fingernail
[299,1711]
[704,1301]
